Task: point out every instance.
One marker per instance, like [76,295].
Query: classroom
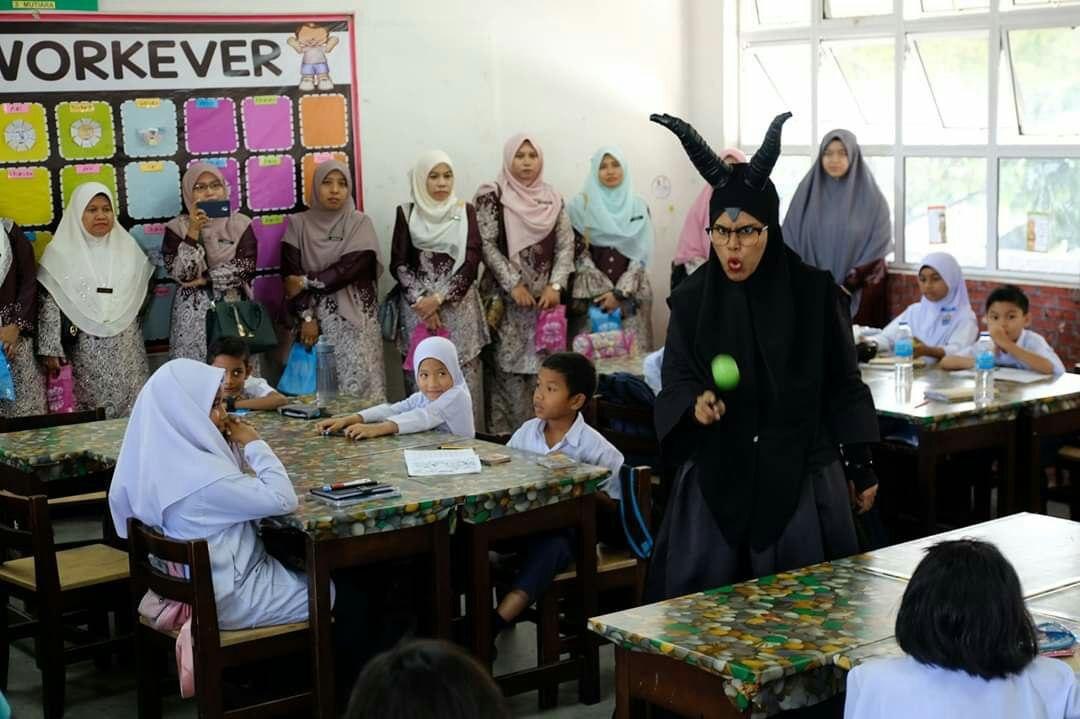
[473,360]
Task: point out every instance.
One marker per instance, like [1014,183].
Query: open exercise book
[433,462]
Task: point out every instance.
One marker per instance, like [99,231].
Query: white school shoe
[307,84]
[326,84]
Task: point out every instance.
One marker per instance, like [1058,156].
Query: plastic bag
[7,384]
[605,321]
[60,391]
[605,345]
[419,334]
[551,330]
[300,372]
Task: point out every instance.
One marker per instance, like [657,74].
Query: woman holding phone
[210,252]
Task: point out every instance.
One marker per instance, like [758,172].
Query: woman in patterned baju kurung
[435,256]
[330,261]
[18,321]
[205,256]
[614,244]
[528,246]
[95,278]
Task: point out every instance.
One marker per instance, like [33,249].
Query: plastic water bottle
[984,370]
[904,370]
[326,384]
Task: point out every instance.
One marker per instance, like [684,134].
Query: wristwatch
[230,404]
[555,286]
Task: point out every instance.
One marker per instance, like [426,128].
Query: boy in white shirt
[240,390]
[564,385]
[1007,318]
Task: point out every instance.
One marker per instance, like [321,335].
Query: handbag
[551,330]
[246,319]
[390,314]
[60,391]
[300,375]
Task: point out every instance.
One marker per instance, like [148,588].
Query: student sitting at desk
[241,390]
[565,383]
[942,321]
[971,647]
[1008,318]
[442,403]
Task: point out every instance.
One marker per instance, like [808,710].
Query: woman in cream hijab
[434,256]
[94,279]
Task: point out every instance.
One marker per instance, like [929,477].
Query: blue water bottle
[984,370]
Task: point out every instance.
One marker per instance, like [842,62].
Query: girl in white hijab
[180,470]
[95,278]
[442,403]
[435,256]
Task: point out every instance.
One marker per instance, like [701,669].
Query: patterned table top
[786,641]
[1038,397]
[313,460]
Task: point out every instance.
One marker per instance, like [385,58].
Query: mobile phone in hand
[214,208]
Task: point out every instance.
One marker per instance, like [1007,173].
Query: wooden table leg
[589,685]
[642,678]
[622,684]
[441,591]
[479,600]
[927,480]
[319,619]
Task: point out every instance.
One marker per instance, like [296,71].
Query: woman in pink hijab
[693,248]
[528,247]
[207,256]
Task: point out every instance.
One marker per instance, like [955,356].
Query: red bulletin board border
[348,18]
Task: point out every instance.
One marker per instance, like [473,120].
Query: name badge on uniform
[104,290]
[225,241]
[636,218]
[946,320]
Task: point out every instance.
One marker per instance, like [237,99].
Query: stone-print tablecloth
[1039,398]
[757,633]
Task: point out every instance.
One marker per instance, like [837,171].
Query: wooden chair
[80,585]
[618,571]
[214,650]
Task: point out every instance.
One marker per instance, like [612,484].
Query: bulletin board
[131,101]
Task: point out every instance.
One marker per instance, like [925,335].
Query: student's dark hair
[1008,293]
[964,609]
[230,347]
[576,368]
[426,679]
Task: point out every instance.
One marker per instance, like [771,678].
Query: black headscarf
[754,460]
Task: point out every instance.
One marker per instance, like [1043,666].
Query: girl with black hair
[971,647]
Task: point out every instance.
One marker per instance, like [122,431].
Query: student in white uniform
[442,402]
[241,390]
[565,383]
[942,321]
[652,367]
[1008,318]
[181,471]
[971,648]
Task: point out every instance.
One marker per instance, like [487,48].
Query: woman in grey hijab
[838,221]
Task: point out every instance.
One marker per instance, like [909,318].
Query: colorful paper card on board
[313,160]
[158,320]
[271,182]
[324,121]
[71,176]
[149,127]
[24,132]
[26,195]
[268,123]
[270,291]
[149,236]
[153,189]
[230,168]
[40,239]
[269,230]
[84,130]
[210,125]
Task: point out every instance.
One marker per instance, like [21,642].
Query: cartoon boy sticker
[313,41]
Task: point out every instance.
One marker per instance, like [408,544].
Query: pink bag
[419,334]
[551,330]
[60,391]
[605,345]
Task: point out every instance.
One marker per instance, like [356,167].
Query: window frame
[996,21]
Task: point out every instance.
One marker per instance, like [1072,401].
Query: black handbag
[246,319]
[390,314]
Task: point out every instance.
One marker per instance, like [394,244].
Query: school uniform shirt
[902,688]
[1030,341]
[257,388]
[651,367]
[582,444]
[965,330]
